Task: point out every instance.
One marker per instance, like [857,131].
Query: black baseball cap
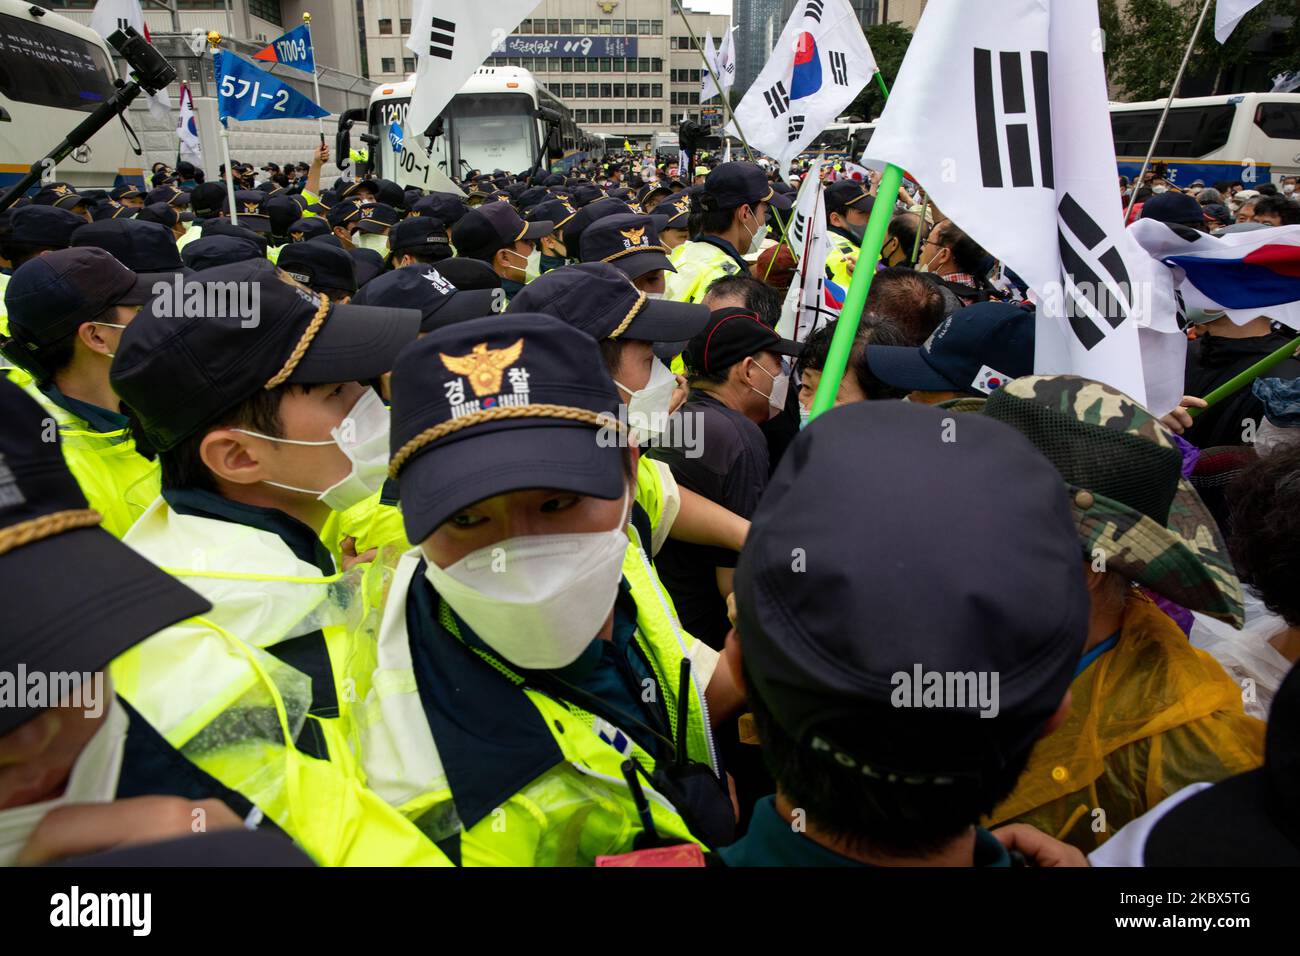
[207,252]
[308,227]
[341,212]
[367,262]
[139,245]
[423,234]
[1173,207]
[601,301]
[547,375]
[743,183]
[282,212]
[207,199]
[445,206]
[178,374]
[730,336]
[675,212]
[59,194]
[557,212]
[249,209]
[126,191]
[466,274]
[845,194]
[586,193]
[651,189]
[224,227]
[975,350]
[484,230]
[170,194]
[112,210]
[38,227]
[425,288]
[49,533]
[49,297]
[159,213]
[323,267]
[829,679]
[373,217]
[592,212]
[629,242]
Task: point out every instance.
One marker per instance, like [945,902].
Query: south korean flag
[1014,145]
[817,68]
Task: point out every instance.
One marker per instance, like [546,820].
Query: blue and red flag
[293,49]
[806,78]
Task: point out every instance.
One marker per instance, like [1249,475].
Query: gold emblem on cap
[297,236]
[634,236]
[251,207]
[484,366]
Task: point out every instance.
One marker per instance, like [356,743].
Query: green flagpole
[846,328]
[1244,378]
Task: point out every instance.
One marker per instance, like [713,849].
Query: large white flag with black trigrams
[1000,112]
[817,68]
[451,41]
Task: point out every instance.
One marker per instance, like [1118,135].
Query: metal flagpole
[726,106]
[315,80]
[1160,126]
[214,42]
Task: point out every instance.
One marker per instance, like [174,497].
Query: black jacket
[1211,361]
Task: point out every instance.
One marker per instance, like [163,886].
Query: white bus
[1252,137]
[496,121]
[53,72]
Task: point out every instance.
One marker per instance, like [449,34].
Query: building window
[388,65]
[631,64]
[606,65]
[695,75]
[644,26]
[554,88]
[616,27]
[645,116]
[408,64]
[385,24]
[405,25]
[525,27]
[566,26]
[552,26]
[676,117]
[566,91]
[658,90]
[607,116]
[618,116]
[606,28]
[618,90]
[267,10]
[606,90]
[616,65]
[656,28]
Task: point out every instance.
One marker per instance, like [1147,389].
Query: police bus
[1252,137]
[53,72]
[498,120]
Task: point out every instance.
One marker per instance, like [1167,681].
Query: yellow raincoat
[1146,719]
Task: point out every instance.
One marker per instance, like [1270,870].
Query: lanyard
[1106,645]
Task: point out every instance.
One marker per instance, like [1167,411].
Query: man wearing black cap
[370,223]
[848,207]
[67,311]
[309,227]
[263,428]
[445,206]
[737,383]
[128,194]
[735,201]
[164,215]
[418,240]
[210,251]
[505,442]
[62,196]
[495,234]
[321,267]
[631,244]
[842,650]
[554,252]
[676,228]
[974,352]
[142,246]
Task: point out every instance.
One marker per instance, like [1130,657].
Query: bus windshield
[493,130]
[47,67]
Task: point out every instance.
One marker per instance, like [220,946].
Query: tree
[888,42]
[1145,41]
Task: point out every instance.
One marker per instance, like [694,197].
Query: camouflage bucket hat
[1123,471]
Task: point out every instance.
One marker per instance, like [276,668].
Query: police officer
[67,311]
[494,233]
[848,207]
[734,201]
[416,240]
[140,245]
[541,707]
[554,252]
[263,428]
[631,244]
[321,266]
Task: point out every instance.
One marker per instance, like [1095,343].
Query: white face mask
[647,409]
[537,600]
[363,437]
[1289,188]
[371,240]
[780,388]
[534,267]
[756,240]
[1159,189]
